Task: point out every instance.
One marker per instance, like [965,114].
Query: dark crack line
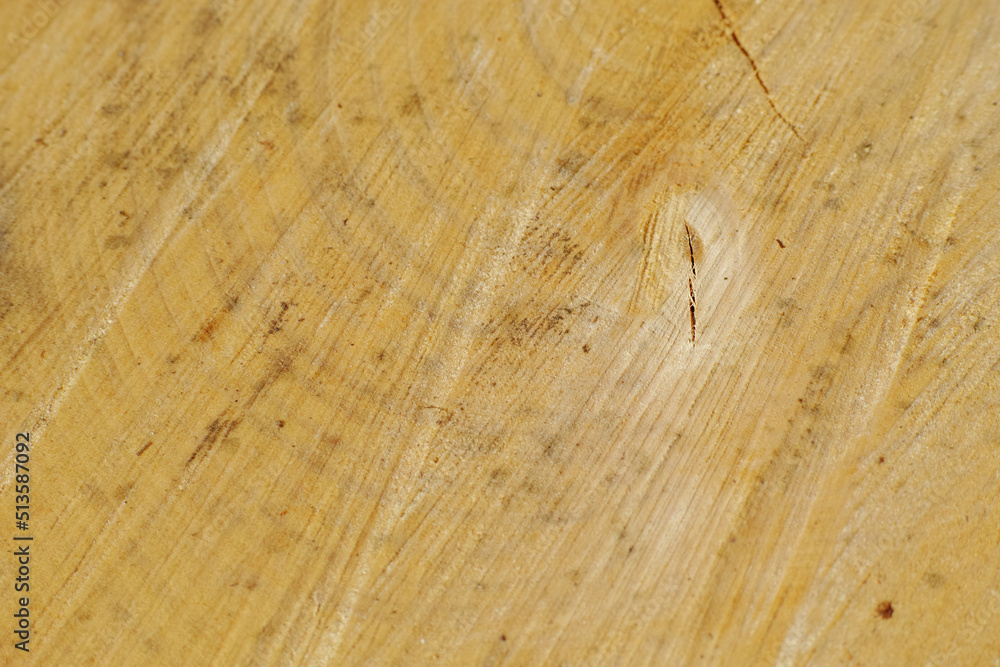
[687,229]
[753,66]
[694,274]
[694,318]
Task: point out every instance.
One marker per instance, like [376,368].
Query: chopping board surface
[553,332]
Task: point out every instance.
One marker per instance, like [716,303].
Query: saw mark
[731,29]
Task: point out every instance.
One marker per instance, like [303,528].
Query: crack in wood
[694,274]
[753,66]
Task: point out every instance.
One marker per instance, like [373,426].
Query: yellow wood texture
[479,333]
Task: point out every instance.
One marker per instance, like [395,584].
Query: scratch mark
[753,66]
[443,419]
[694,274]
[217,428]
[279,366]
[144,448]
[648,290]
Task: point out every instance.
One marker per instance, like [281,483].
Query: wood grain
[549,332]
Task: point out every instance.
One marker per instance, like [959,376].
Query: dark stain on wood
[117,241]
[278,321]
[279,366]
[207,331]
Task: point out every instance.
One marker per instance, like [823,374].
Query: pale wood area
[541,332]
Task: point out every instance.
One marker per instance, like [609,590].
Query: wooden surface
[547,332]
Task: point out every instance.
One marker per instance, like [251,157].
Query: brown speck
[503,638]
[881,459]
[586,348]
[281,423]
[885,609]
[781,244]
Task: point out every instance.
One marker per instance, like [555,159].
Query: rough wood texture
[549,332]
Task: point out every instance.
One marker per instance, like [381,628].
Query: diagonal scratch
[731,29]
